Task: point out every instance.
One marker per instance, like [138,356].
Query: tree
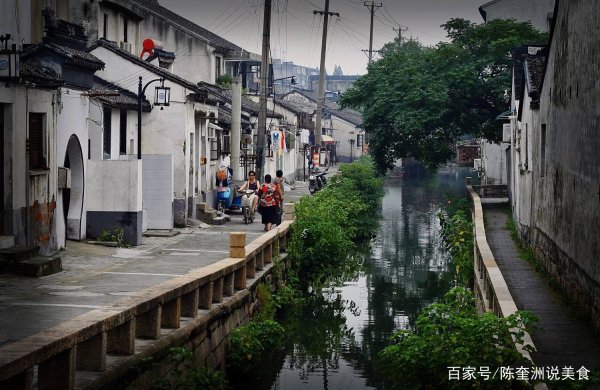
[417,100]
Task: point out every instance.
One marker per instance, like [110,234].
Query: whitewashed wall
[72,121]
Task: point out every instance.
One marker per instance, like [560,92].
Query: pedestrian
[251,184]
[279,183]
[269,195]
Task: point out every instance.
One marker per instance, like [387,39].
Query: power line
[372,7]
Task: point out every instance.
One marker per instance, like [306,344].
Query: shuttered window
[37,158]
[107,132]
[123,133]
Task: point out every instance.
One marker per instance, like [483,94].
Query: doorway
[72,198]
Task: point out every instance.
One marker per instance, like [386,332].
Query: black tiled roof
[225,118]
[40,75]
[152,68]
[348,115]
[73,56]
[126,99]
[248,104]
[162,12]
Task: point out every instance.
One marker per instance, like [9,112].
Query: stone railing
[58,354]
[491,291]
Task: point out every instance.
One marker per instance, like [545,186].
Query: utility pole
[400,30]
[262,101]
[371,7]
[321,93]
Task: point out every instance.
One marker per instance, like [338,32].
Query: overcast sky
[296,31]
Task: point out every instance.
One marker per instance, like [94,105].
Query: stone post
[237,245]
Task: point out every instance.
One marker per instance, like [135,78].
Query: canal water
[334,343]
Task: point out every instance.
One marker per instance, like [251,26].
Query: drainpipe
[236,125]
[27,212]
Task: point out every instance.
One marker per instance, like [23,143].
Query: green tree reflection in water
[334,341]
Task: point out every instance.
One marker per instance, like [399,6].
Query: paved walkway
[97,276]
[562,340]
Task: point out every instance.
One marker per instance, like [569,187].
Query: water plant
[451,334]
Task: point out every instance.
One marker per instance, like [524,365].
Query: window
[526,146]
[359,140]
[543,152]
[214,149]
[123,133]
[217,67]
[107,131]
[37,157]
[226,145]
[105,27]
[125,26]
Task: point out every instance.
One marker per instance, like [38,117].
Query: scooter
[316,180]
[247,212]
[226,201]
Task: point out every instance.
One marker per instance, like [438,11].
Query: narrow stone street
[96,276]
[562,339]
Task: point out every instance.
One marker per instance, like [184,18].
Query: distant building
[334,82]
[302,75]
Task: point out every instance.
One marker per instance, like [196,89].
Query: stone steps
[209,215]
[7,242]
[27,261]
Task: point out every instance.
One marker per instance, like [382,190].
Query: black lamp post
[162,97]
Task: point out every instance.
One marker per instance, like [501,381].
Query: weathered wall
[493,159]
[566,212]
[39,187]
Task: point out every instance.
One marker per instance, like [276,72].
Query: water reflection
[335,341]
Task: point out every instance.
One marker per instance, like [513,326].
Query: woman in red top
[269,199]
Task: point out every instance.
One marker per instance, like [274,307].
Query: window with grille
[37,156]
[226,144]
[359,140]
[214,149]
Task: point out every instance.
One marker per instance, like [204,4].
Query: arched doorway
[73,197]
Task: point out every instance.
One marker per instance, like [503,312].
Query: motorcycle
[316,180]
[247,212]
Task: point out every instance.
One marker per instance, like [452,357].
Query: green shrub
[457,232]
[186,376]
[451,333]
[331,223]
[251,344]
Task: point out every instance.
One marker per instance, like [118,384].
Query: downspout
[27,212]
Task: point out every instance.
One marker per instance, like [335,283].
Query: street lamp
[292,82]
[162,97]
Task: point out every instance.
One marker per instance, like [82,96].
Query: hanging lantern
[162,96]
[9,60]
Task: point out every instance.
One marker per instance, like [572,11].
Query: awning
[327,139]
[214,126]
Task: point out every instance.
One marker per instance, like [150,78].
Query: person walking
[251,184]
[269,195]
[279,184]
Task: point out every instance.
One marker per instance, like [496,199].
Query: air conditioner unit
[64,178]
[506,132]
[477,165]
[125,46]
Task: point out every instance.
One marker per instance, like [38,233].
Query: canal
[333,343]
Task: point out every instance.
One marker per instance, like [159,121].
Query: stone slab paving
[96,276]
[563,340]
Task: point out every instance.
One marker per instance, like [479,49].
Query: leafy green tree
[417,100]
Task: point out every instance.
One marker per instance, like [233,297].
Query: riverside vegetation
[450,332]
